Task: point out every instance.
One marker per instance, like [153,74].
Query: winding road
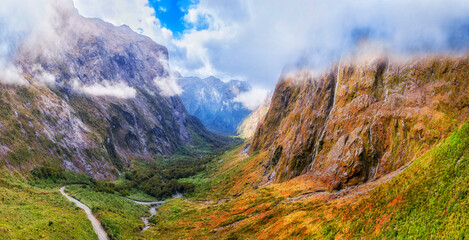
[98,228]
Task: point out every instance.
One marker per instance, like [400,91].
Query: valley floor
[426,199]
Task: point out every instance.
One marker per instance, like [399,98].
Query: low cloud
[256,40]
[46,78]
[168,86]
[17,23]
[11,75]
[250,40]
[28,29]
[253,98]
[105,88]
[42,76]
[266,36]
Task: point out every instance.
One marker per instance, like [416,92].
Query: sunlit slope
[363,118]
[428,199]
[248,126]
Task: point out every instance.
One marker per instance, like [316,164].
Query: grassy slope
[228,174]
[429,199]
[29,212]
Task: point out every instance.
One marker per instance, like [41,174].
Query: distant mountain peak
[213,102]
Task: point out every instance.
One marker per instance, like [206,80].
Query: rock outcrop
[362,119]
[248,126]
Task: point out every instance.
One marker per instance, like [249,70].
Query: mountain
[372,148]
[213,102]
[375,146]
[362,119]
[248,126]
[89,101]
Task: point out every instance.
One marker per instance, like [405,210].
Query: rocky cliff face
[362,119]
[213,102]
[248,126]
[90,103]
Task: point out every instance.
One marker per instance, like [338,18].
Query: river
[153,206]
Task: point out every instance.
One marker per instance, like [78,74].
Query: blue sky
[171,14]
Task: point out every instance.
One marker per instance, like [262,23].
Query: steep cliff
[361,119]
[90,102]
[248,126]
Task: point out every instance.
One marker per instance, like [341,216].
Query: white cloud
[105,88]
[256,40]
[137,14]
[168,86]
[11,75]
[18,20]
[46,78]
[253,98]
[42,76]
[263,36]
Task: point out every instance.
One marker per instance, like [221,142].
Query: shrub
[48,172]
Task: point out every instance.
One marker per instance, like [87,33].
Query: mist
[30,29]
[47,30]
[258,41]
[253,41]
[168,86]
[105,88]
[398,27]
[270,36]
[18,21]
